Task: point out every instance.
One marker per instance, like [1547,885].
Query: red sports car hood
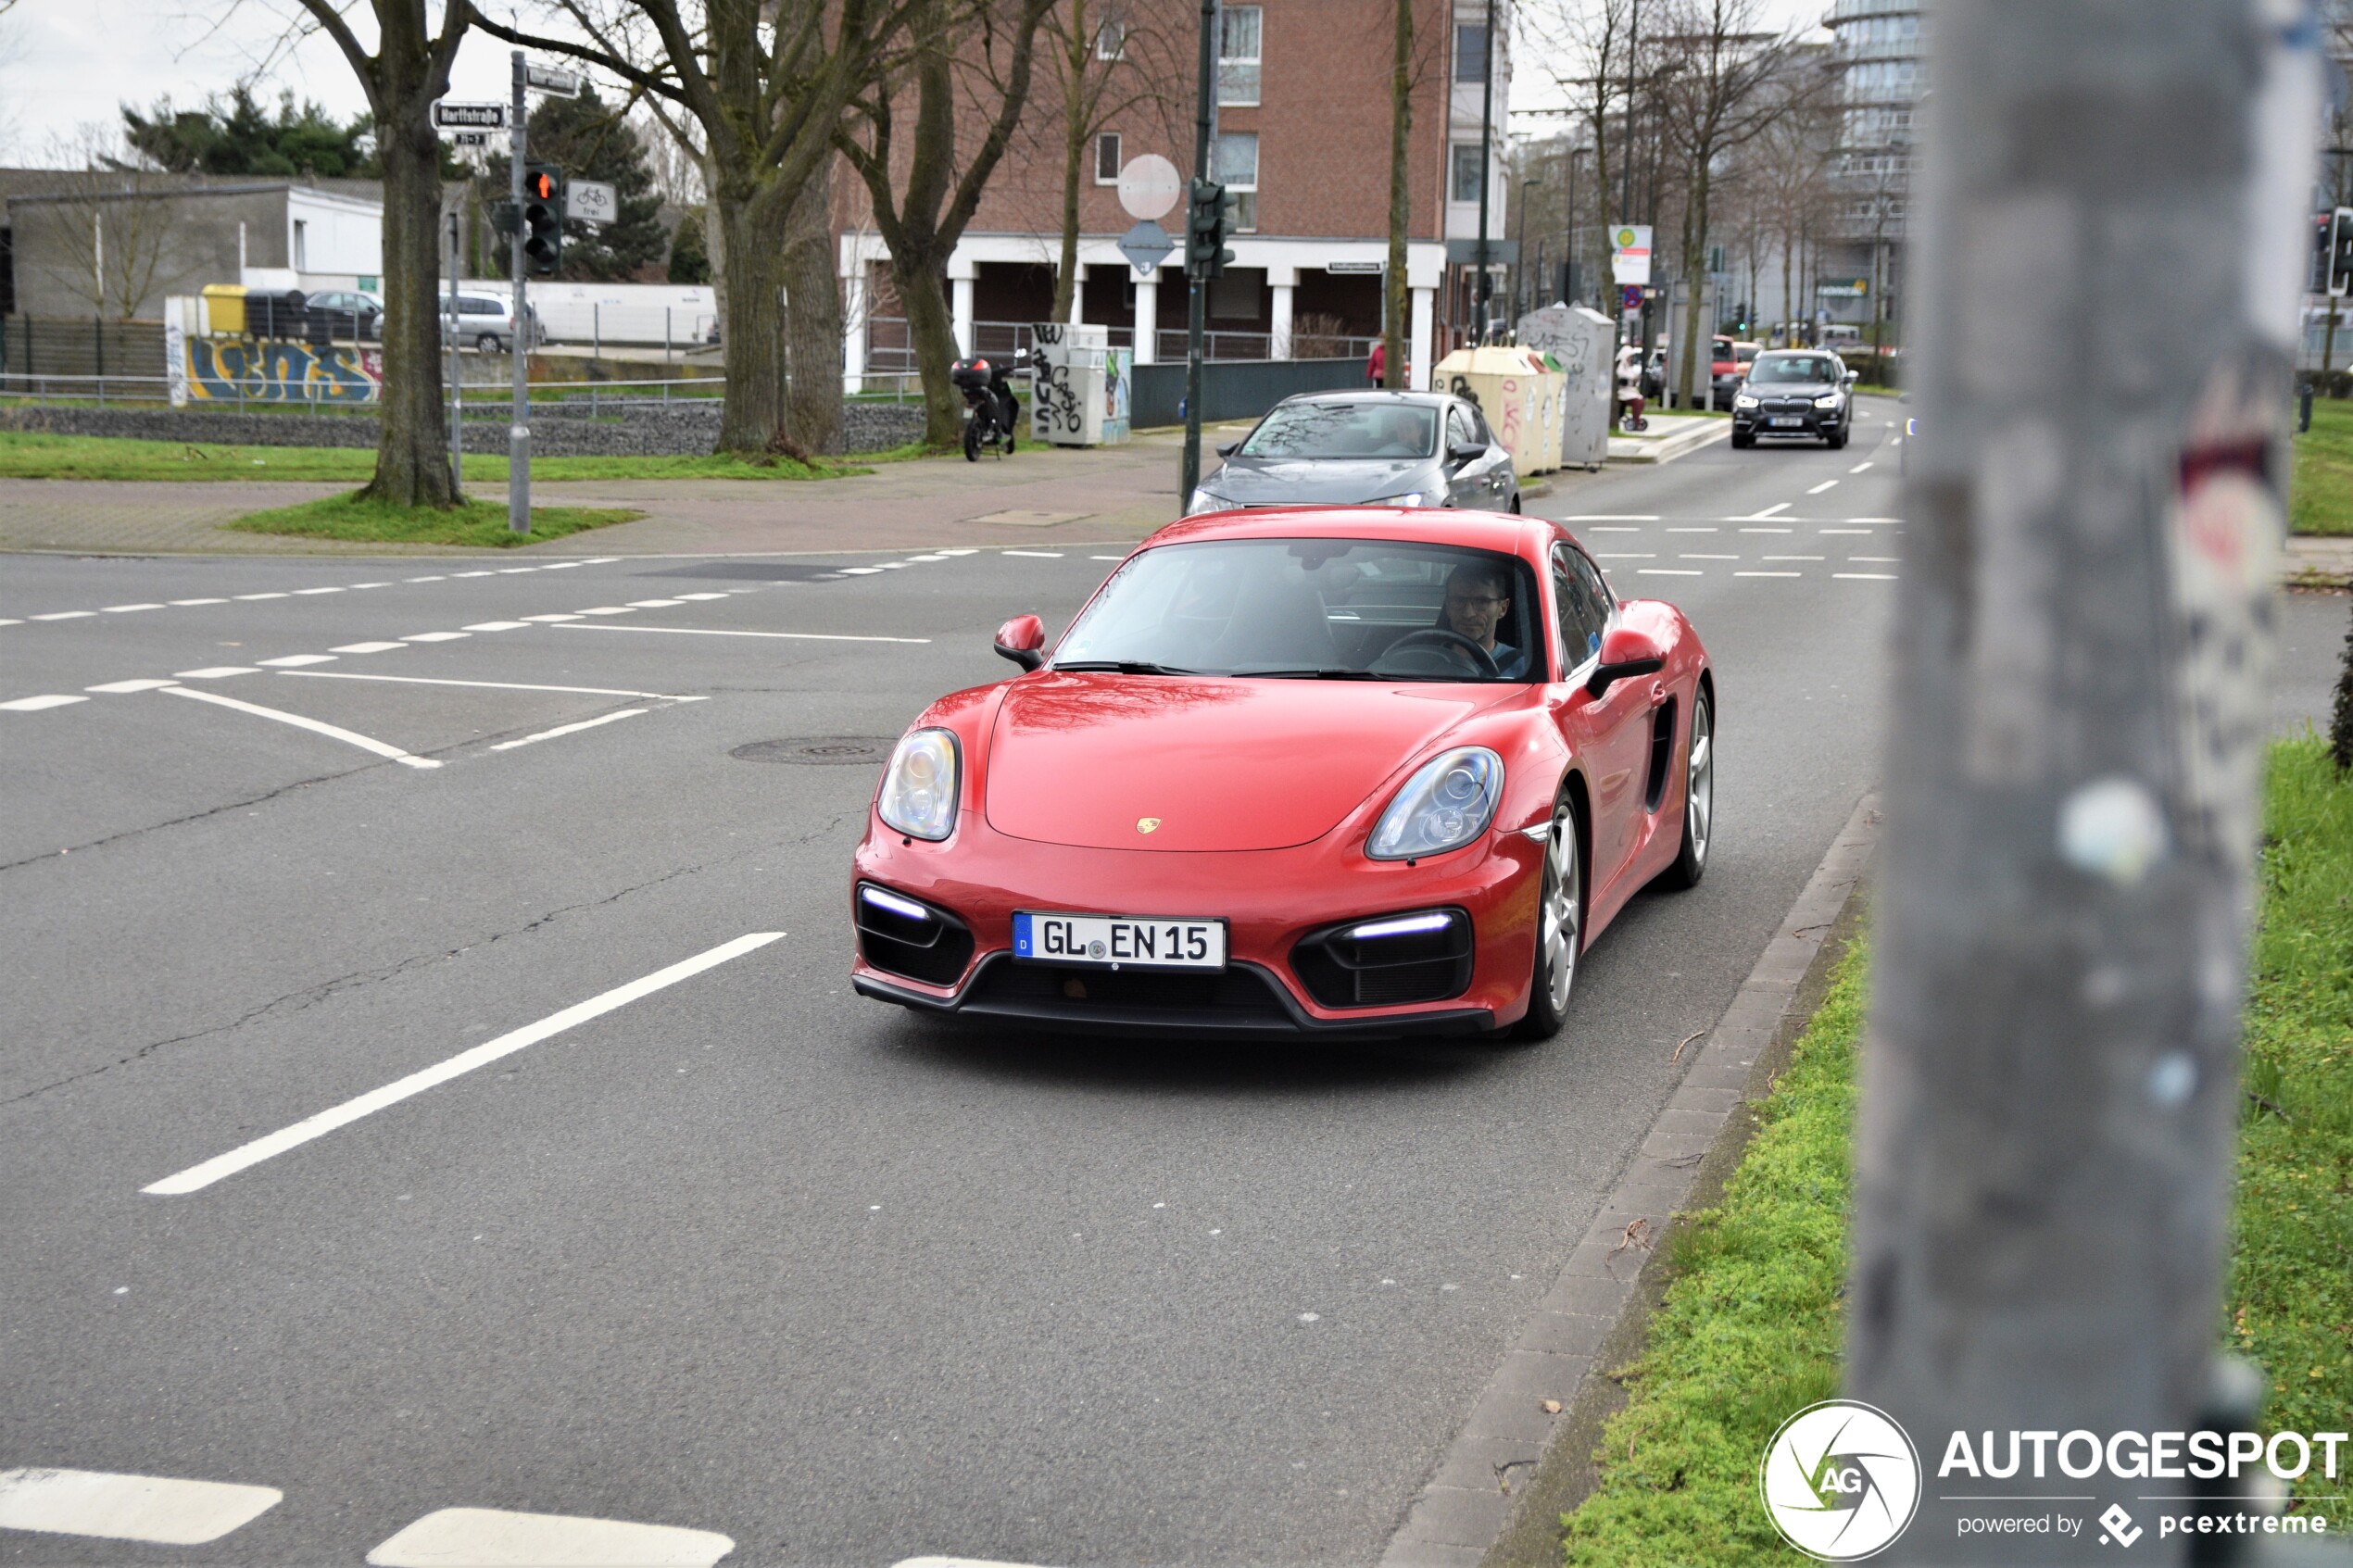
[1088,759]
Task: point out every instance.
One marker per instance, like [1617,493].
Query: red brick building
[1302,136]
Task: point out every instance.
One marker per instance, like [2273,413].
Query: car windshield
[1345,430]
[1314,609]
[1795,368]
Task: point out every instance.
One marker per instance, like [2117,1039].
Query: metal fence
[568,396]
[890,349]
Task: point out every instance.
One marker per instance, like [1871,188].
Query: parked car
[1723,372]
[485,322]
[1795,391]
[348,316]
[1365,449]
[1315,773]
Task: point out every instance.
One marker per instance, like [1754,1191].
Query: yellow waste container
[224,309]
[1518,393]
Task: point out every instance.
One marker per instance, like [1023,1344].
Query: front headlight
[1447,803]
[918,794]
[1743,400]
[1203,501]
[1409,498]
[1828,401]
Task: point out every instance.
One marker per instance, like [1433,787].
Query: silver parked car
[1365,449]
[485,322]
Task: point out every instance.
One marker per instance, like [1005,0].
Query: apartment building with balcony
[1303,139]
[1879,52]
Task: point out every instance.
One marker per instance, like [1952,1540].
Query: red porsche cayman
[1345,772]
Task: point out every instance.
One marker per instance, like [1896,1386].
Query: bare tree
[764,84]
[1405,75]
[962,58]
[1104,64]
[1585,46]
[110,222]
[408,71]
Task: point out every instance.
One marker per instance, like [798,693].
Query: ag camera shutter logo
[1840,1480]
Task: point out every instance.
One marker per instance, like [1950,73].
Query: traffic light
[2341,253]
[543,218]
[1206,252]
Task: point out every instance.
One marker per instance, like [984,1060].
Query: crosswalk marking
[492,1537]
[128,1508]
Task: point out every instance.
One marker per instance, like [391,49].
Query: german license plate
[1119,941]
[1787,423]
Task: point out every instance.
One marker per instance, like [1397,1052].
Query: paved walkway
[1104,495]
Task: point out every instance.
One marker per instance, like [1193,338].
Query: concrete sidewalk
[1103,494]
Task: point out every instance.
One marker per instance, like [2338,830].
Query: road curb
[1666,448]
[1511,1467]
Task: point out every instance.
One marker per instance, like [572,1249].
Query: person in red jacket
[1377,364]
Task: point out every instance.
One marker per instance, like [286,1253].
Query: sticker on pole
[1841,1480]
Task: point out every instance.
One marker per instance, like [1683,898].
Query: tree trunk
[754,415]
[920,273]
[1066,274]
[1396,326]
[1695,270]
[813,318]
[412,448]
[714,233]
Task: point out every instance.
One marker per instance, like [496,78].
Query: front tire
[1836,441]
[1560,928]
[1699,796]
[972,439]
[1743,443]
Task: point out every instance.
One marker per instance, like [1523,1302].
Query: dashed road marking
[246,598]
[435,636]
[305,593]
[1612,530]
[550,620]
[701,598]
[569,729]
[608,610]
[198,1177]
[128,1508]
[1774,510]
[296,661]
[214,673]
[1695,529]
[1768,575]
[126,610]
[490,685]
[316,726]
[369,648]
[1826,485]
[1666,572]
[655,604]
[714,632]
[1878,560]
[1106,558]
[1689,556]
[1867,576]
[1034,555]
[1628,555]
[1613,517]
[1858,468]
[860,571]
[490,1538]
[1793,557]
[114,687]
[499,626]
[1766,531]
[66,615]
[200,601]
[35,704]
[1862,531]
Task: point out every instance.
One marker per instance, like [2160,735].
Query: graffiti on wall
[251,370]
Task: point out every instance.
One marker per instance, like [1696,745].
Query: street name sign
[591,201]
[1147,244]
[469,117]
[548,78]
[1374,266]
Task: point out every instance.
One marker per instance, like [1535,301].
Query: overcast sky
[64,63]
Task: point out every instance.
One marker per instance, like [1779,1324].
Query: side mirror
[1466,451]
[1229,448]
[1854,376]
[1023,640]
[1626,652]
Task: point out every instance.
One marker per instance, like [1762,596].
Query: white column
[1079,294]
[1148,316]
[1279,346]
[1425,304]
[961,313]
[854,306]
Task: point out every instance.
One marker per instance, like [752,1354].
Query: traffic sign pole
[1197,293]
[518,415]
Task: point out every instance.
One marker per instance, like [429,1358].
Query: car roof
[1371,394]
[1505,533]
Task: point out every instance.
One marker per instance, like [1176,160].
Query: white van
[1839,335]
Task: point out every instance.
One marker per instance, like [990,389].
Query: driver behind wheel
[1478,598]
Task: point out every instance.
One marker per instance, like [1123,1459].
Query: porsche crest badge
[1146,824]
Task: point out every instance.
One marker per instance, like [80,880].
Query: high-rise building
[1878,51]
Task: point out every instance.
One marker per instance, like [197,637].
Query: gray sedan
[1365,449]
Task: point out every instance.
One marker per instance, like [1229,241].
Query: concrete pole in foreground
[519,346]
[2111,242]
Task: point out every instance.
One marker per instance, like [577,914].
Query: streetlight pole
[1486,174]
[1519,266]
[1569,293]
[1626,143]
[1197,294]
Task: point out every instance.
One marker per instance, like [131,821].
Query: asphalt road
[748,1254]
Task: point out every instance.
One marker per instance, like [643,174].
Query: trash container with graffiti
[1520,394]
[1583,345]
[1080,387]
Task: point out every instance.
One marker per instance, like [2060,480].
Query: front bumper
[1271,901]
[1815,423]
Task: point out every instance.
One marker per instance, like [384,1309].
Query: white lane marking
[550,618]
[654,604]
[1666,572]
[1826,485]
[608,610]
[1870,520]
[140,685]
[369,648]
[198,1177]
[562,565]
[710,632]
[1774,510]
[1766,531]
[1707,530]
[424,580]
[498,627]
[599,561]
[490,686]
[485,574]
[1897,441]
[1034,555]
[1628,555]
[1612,530]
[4,623]
[1879,561]
[214,673]
[511,571]
[893,565]
[200,601]
[965,552]
[1688,555]
[860,571]
[1858,468]
[700,598]
[1792,557]
[1090,558]
[35,704]
[569,729]
[66,615]
[300,592]
[492,1537]
[296,661]
[1768,575]
[1862,531]
[128,1508]
[126,610]
[316,726]
[929,558]
[1613,517]
[357,586]
[434,637]
[1867,576]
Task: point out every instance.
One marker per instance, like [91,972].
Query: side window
[1458,425]
[1478,429]
[1584,607]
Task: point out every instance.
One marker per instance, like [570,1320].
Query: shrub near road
[1750,1327]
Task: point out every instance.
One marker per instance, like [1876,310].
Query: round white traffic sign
[1149,186]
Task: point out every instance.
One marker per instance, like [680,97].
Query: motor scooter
[991,411]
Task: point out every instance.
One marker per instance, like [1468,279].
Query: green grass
[33,454]
[1750,1328]
[1749,1333]
[2320,497]
[479,524]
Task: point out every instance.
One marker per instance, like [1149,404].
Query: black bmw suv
[1799,392]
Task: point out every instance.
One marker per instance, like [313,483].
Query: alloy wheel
[1561,914]
[1699,797]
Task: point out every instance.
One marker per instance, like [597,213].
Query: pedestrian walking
[1377,363]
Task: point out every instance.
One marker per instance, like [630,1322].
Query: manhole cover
[819,751]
